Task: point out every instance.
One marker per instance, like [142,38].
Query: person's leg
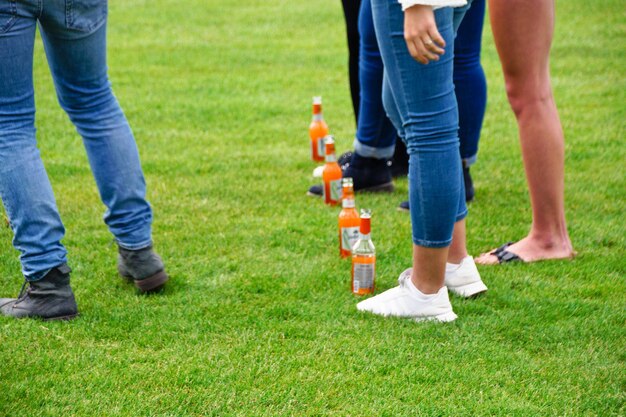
[76,51]
[523,34]
[470,87]
[78,64]
[423,97]
[351,15]
[376,136]
[24,186]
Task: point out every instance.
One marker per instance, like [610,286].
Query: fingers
[422,38]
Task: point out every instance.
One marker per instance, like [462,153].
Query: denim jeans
[74,38]
[469,80]
[375,135]
[420,101]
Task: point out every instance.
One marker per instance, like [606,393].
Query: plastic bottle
[364,259]
[331,174]
[318,129]
[349,221]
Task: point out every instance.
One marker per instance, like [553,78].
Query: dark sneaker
[469,185]
[144,267]
[368,174]
[400,160]
[344,159]
[50,298]
[404,206]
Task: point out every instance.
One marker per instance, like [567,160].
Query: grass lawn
[258,319]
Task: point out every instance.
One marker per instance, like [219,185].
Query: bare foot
[531,250]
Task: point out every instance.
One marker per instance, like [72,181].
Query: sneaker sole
[152,283]
[443,318]
[470,290]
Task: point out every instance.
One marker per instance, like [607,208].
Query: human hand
[421,35]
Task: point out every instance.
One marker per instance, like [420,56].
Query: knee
[86,99]
[523,94]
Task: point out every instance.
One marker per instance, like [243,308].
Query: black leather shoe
[368,174]
[50,298]
[144,267]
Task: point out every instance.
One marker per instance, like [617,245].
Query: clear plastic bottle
[318,129]
[364,258]
[349,221]
[331,174]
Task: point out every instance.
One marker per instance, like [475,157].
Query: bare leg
[458,250]
[523,34]
[429,268]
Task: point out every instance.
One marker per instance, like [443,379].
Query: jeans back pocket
[85,15]
[8,14]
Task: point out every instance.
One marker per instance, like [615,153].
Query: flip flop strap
[506,256]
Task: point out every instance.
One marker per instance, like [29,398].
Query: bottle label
[336,190]
[349,236]
[363,277]
[321,149]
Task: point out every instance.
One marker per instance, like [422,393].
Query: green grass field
[258,319]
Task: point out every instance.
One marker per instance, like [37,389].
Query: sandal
[504,256]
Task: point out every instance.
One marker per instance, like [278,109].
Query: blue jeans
[74,37]
[375,135]
[420,101]
[469,80]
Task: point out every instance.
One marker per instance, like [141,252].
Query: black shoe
[50,298]
[144,267]
[400,160]
[368,174]
[404,206]
[469,185]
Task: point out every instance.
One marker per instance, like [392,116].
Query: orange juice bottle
[331,174]
[363,259]
[318,129]
[348,220]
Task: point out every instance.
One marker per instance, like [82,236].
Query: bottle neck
[331,158]
[347,202]
[317,117]
[365,237]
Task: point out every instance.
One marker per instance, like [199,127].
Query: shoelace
[23,292]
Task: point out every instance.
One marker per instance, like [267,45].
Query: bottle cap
[317,100]
[347,182]
[366,217]
[329,144]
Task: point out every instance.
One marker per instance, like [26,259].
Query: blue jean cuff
[470,160]
[367,151]
[461,216]
[432,243]
[136,246]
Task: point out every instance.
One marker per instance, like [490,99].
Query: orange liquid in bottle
[364,266]
[331,174]
[364,259]
[318,129]
[349,220]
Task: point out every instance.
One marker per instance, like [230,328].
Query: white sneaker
[463,279]
[406,301]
